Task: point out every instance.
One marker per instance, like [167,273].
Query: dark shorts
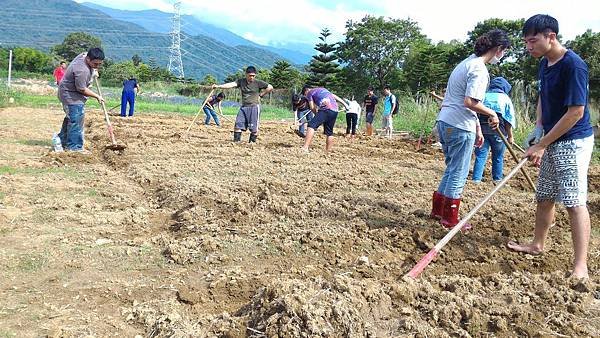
[248,118]
[370,117]
[325,117]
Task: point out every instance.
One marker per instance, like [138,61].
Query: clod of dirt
[319,308]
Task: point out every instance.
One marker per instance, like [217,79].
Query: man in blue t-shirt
[323,103]
[130,88]
[562,141]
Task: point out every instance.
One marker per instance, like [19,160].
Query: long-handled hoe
[425,260]
[221,115]
[422,129]
[297,121]
[515,157]
[201,109]
[114,145]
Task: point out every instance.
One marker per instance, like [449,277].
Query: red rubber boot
[450,216]
[437,209]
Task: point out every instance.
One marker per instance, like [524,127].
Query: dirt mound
[342,307]
[193,235]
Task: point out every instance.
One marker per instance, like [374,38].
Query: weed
[32,263]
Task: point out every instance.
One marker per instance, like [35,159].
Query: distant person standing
[369,104]
[389,107]
[59,72]
[130,89]
[248,116]
[352,116]
[323,103]
[73,92]
[210,108]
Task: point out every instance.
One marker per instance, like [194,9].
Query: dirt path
[202,237]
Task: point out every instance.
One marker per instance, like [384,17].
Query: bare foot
[580,274]
[524,248]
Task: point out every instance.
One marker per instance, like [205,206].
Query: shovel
[114,145]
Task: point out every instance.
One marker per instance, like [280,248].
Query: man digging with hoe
[564,152]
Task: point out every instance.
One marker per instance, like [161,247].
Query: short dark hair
[295,98]
[251,69]
[220,95]
[387,87]
[305,89]
[95,54]
[65,62]
[370,88]
[492,39]
[540,23]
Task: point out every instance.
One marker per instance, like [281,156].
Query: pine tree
[323,67]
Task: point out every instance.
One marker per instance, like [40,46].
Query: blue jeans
[481,154]
[71,132]
[127,97]
[211,113]
[457,145]
[304,117]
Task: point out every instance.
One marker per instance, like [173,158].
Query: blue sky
[278,23]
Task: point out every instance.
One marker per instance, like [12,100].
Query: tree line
[374,51]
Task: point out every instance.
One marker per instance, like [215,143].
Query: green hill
[42,24]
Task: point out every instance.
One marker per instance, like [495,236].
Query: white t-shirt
[470,78]
[354,108]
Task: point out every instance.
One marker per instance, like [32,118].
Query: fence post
[9,67]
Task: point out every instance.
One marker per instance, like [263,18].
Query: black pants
[351,120]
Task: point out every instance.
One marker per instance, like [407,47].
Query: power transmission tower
[175,63]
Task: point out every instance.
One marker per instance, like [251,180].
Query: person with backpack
[213,103]
[390,108]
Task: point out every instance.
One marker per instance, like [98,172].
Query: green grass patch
[36,143]
[68,172]
[7,334]
[32,262]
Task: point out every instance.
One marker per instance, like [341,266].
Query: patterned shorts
[563,172]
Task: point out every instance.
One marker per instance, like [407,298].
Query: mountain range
[42,24]
[160,22]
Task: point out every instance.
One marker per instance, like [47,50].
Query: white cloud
[275,21]
[260,40]
[279,22]
[447,20]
